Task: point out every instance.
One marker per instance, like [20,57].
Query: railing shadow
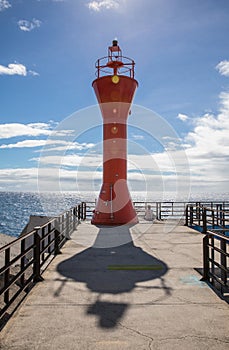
[113,270]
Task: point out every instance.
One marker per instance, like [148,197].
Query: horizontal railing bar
[217,279]
[218,265]
[44,238]
[40,251]
[15,296]
[218,250]
[17,240]
[47,246]
[12,262]
[15,278]
[210,233]
[48,256]
[220,229]
[47,234]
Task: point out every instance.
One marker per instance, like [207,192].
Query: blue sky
[47,56]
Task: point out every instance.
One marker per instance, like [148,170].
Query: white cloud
[41,143]
[208,147]
[4,4]
[13,69]
[27,26]
[44,126]
[103,4]
[182,117]
[32,72]
[16,69]
[223,68]
[25,144]
[72,160]
[24,179]
[63,145]
[16,129]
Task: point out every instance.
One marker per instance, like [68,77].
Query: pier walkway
[103,294]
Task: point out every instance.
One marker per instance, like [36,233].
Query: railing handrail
[128,65]
[218,235]
[35,249]
[212,222]
[26,235]
[215,268]
[16,240]
[202,216]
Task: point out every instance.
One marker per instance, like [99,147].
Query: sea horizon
[17,206]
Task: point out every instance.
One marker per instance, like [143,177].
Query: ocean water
[16,207]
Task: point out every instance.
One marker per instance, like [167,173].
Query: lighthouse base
[114,206]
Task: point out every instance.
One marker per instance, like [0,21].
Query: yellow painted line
[135,267]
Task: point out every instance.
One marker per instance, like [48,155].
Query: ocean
[16,207]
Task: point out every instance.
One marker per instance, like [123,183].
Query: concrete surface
[102,294]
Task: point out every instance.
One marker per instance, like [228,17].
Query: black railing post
[63,225]
[75,220]
[43,243]
[85,211]
[159,214]
[78,209]
[57,237]
[72,220]
[7,275]
[81,211]
[22,279]
[223,261]
[221,223]
[36,256]
[186,215]
[157,217]
[67,221]
[212,267]
[213,218]
[223,218]
[49,238]
[217,214]
[205,258]
[204,217]
[191,215]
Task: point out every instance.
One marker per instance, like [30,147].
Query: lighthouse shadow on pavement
[112,269]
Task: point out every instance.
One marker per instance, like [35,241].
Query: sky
[50,124]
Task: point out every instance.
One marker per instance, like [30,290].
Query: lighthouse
[114,87]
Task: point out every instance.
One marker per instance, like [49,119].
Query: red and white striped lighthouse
[114,88]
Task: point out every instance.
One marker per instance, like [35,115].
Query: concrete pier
[126,288]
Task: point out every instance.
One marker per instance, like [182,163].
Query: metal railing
[215,261]
[213,221]
[24,259]
[161,210]
[105,66]
[167,209]
[204,217]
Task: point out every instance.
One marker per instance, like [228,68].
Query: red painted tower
[114,88]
